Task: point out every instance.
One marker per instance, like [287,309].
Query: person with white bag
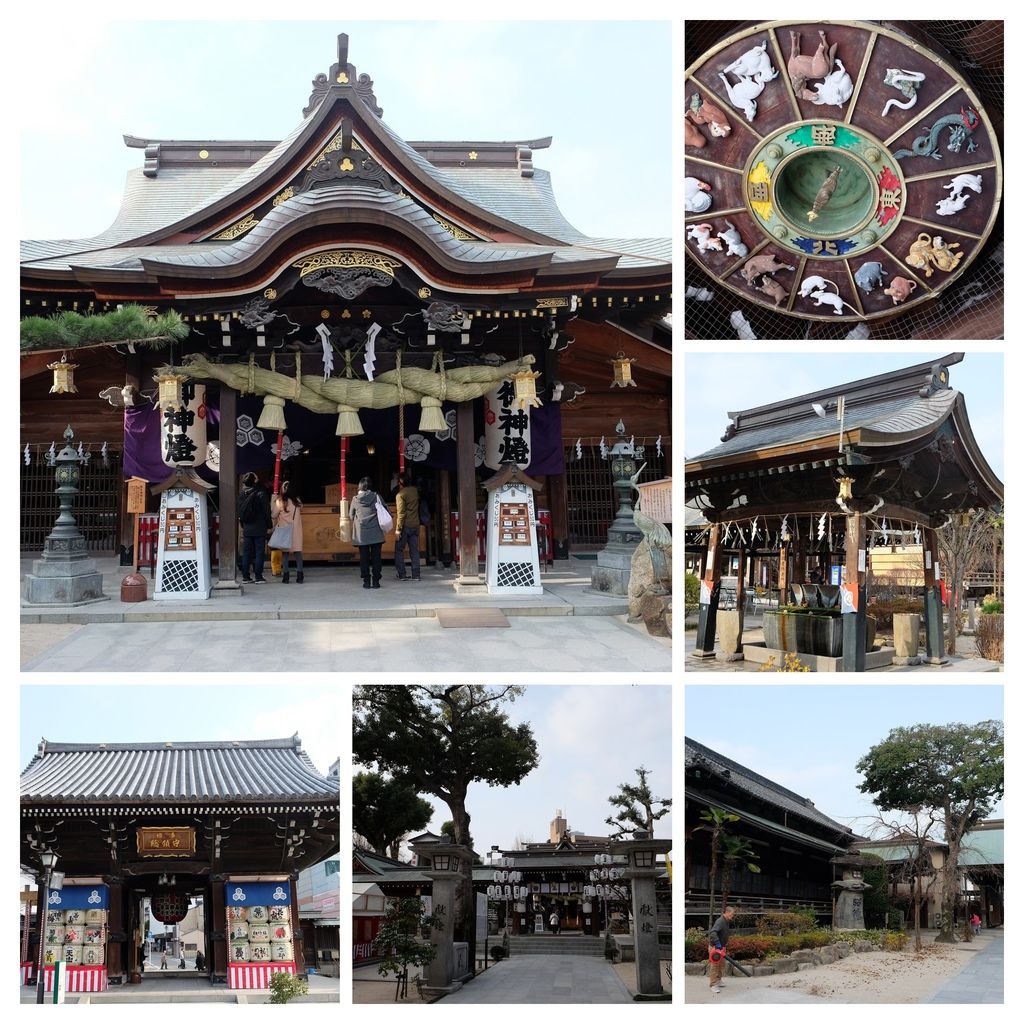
[370,521]
[287,535]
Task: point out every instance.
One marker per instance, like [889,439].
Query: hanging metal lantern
[622,368]
[170,396]
[845,487]
[525,383]
[63,376]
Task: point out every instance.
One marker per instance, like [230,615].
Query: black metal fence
[97,504]
[591,497]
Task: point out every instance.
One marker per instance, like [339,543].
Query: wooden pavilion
[818,480]
[295,265]
[231,822]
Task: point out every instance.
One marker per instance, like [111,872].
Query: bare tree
[964,544]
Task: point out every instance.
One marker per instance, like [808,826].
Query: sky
[759,379]
[590,739]
[155,713]
[601,89]
[809,738]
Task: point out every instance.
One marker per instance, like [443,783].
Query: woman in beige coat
[288,512]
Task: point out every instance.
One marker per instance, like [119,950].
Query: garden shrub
[992,608]
[779,922]
[691,597]
[883,609]
[989,637]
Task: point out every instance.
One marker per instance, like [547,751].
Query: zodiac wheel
[835,171]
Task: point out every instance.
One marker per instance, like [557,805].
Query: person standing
[163,959]
[288,512]
[255,519]
[718,940]
[976,923]
[407,529]
[367,534]
[553,921]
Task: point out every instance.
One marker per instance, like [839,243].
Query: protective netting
[970,308]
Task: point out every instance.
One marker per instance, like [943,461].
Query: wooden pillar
[783,574]
[800,561]
[218,951]
[120,959]
[297,942]
[559,493]
[469,565]
[934,643]
[444,516]
[710,590]
[228,492]
[854,598]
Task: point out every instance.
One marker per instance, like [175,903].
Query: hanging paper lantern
[272,417]
[63,376]
[622,370]
[169,907]
[431,417]
[348,422]
[525,384]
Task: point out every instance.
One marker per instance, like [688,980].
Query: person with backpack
[255,520]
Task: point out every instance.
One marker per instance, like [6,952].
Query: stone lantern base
[63,582]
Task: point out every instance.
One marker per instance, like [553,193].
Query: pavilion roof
[173,199]
[740,777]
[194,773]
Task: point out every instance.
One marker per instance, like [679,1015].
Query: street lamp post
[48,860]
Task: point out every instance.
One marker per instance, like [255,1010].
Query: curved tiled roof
[115,773]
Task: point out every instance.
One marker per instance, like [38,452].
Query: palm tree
[716,821]
[735,849]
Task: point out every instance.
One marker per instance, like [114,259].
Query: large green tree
[385,810]
[955,770]
[440,740]
[635,803]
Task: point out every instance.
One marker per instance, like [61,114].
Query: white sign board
[183,553]
[513,562]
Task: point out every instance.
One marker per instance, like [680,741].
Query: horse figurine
[802,67]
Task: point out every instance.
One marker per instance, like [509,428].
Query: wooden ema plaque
[513,523]
[166,842]
[180,530]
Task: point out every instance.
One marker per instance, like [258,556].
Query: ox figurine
[869,276]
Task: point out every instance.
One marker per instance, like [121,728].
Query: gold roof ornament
[63,376]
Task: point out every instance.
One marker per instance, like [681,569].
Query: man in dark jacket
[407,528]
[718,939]
[254,517]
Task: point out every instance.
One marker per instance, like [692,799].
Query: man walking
[718,940]
[407,528]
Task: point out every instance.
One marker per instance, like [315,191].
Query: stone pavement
[966,659]
[981,981]
[330,623]
[542,644]
[545,980]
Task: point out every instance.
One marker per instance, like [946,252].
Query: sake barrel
[281,952]
[240,952]
[259,952]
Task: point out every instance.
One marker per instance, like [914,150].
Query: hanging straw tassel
[348,422]
[272,417]
[431,417]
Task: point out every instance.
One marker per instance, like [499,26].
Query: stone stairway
[556,945]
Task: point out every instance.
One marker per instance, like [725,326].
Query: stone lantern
[849,892]
[440,862]
[642,869]
[611,575]
[65,575]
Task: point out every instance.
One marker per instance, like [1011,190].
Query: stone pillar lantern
[65,575]
[440,862]
[642,869]
[611,575]
[849,893]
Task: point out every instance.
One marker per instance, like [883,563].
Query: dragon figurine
[961,127]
